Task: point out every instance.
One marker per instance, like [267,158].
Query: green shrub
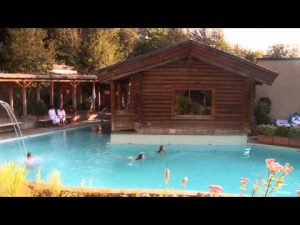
[294,132]
[262,110]
[186,107]
[86,104]
[266,129]
[41,108]
[282,131]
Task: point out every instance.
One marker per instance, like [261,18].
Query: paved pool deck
[40,130]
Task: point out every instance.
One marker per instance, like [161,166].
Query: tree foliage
[282,51]
[66,43]
[25,50]
[99,48]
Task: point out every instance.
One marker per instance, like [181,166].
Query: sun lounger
[282,122]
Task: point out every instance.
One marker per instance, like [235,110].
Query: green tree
[128,38]
[154,38]
[25,51]
[99,48]
[66,42]
[281,51]
[212,37]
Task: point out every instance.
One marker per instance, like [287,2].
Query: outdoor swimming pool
[80,154]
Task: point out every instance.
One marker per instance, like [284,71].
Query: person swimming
[141,156]
[161,150]
[30,158]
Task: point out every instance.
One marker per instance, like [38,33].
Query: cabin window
[193,102]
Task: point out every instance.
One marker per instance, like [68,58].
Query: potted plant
[294,134]
[281,136]
[265,133]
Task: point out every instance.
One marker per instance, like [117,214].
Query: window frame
[194,88]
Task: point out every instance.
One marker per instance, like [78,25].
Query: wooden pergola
[24,80]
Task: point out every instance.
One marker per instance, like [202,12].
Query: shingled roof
[187,49]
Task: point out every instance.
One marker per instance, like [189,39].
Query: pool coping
[275,147]
[48,132]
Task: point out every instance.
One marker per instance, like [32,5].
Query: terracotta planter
[295,142]
[280,140]
[265,139]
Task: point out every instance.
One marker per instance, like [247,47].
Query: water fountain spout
[15,124]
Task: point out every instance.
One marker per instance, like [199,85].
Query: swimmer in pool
[141,156]
[30,158]
[161,150]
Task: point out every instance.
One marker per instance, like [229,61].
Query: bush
[13,180]
[262,111]
[266,130]
[41,108]
[86,104]
[294,132]
[186,107]
[282,131]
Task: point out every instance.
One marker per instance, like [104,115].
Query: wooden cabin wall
[234,97]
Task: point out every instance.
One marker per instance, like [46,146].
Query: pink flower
[276,167]
[298,193]
[270,162]
[244,180]
[184,181]
[215,190]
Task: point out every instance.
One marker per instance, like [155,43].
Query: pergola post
[61,97]
[37,93]
[24,85]
[11,96]
[51,93]
[113,104]
[74,95]
[80,95]
[99,97]
[94,102]
[119,97]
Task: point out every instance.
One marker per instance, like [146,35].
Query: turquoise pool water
[80,154]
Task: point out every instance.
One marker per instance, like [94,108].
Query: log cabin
[186,88]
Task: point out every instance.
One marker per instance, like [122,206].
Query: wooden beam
[98,94]
[138,98]
[61,97]
[11,97]
[80,95]
[24,100]
[113,104]
[51,93]
[74,98]
[94,102]
[119,97]
[37,93]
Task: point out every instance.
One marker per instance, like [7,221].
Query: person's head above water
[29,156]
[161,149]
[141,156]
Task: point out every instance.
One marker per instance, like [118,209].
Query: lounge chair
[282,122]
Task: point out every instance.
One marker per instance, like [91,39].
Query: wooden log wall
[232,94]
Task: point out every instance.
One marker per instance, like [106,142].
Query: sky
[262,38]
